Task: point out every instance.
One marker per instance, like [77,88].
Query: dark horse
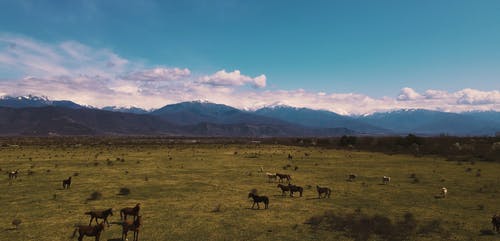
[131,226]
[495,220]
[284,189]
[130,211]
[294,188]
[325,190]
[283,176]
[100,214]
[67,183]
[92,231]
[259,199]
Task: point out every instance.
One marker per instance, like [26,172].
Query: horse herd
[96,230]
[135,224]
[323,192]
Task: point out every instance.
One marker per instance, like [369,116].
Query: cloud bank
[100,77]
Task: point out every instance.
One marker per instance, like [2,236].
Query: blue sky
[368,48]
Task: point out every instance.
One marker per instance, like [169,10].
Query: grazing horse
[13,174]
[271,176]
[66,183]
[386,179]
[100,214]
[327,191]
[283,176]
[495,220]
[444,192]
[259,199]
[91,231]
[290,157]
[294,188]
[284,189]
[130,211]
[132,226]
[352,177]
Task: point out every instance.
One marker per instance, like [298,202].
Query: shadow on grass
[115,239]
[255,209]
[313,198]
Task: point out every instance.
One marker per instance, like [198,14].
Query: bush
[95,196]
[124,191]
[16,222]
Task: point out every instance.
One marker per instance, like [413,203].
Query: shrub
[95,196]
[217,208]
[16,222]
[124,191]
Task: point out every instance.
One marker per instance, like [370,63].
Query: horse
[386,179]
[13,174]
[66,183]
[444,192]
[294,188]
[327,191]
[290,157]
[271,176]
[283,176]
[352,177]
[100,214]
[495,220]
[130,211]
[91,231]
[132,226]
[259,199]
[284,189]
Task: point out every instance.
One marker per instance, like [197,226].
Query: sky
[349,56]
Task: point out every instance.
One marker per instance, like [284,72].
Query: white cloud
[476,97]
[235,78]
[158,74]
[408,94]
[100,77]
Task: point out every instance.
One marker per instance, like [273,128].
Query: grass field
[180,185]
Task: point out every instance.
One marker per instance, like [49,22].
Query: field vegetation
[197,189]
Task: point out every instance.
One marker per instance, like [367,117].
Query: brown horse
[327,191]
[283,177]
[91,231]
[100,214]
[132,226]
[284,188]
[294,188]
[66,183]
[495,220]
[259,199]
[130,211]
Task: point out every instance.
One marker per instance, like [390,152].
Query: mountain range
[39,116]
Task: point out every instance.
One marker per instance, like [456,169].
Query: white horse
[271,176]
[444,191]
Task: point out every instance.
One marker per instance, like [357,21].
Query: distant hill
[35,101]
[32,115]
[134,110]
[319,119]
[196,112]
[53,120]
[429,122]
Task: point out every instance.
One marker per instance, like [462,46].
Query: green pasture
[180,187]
